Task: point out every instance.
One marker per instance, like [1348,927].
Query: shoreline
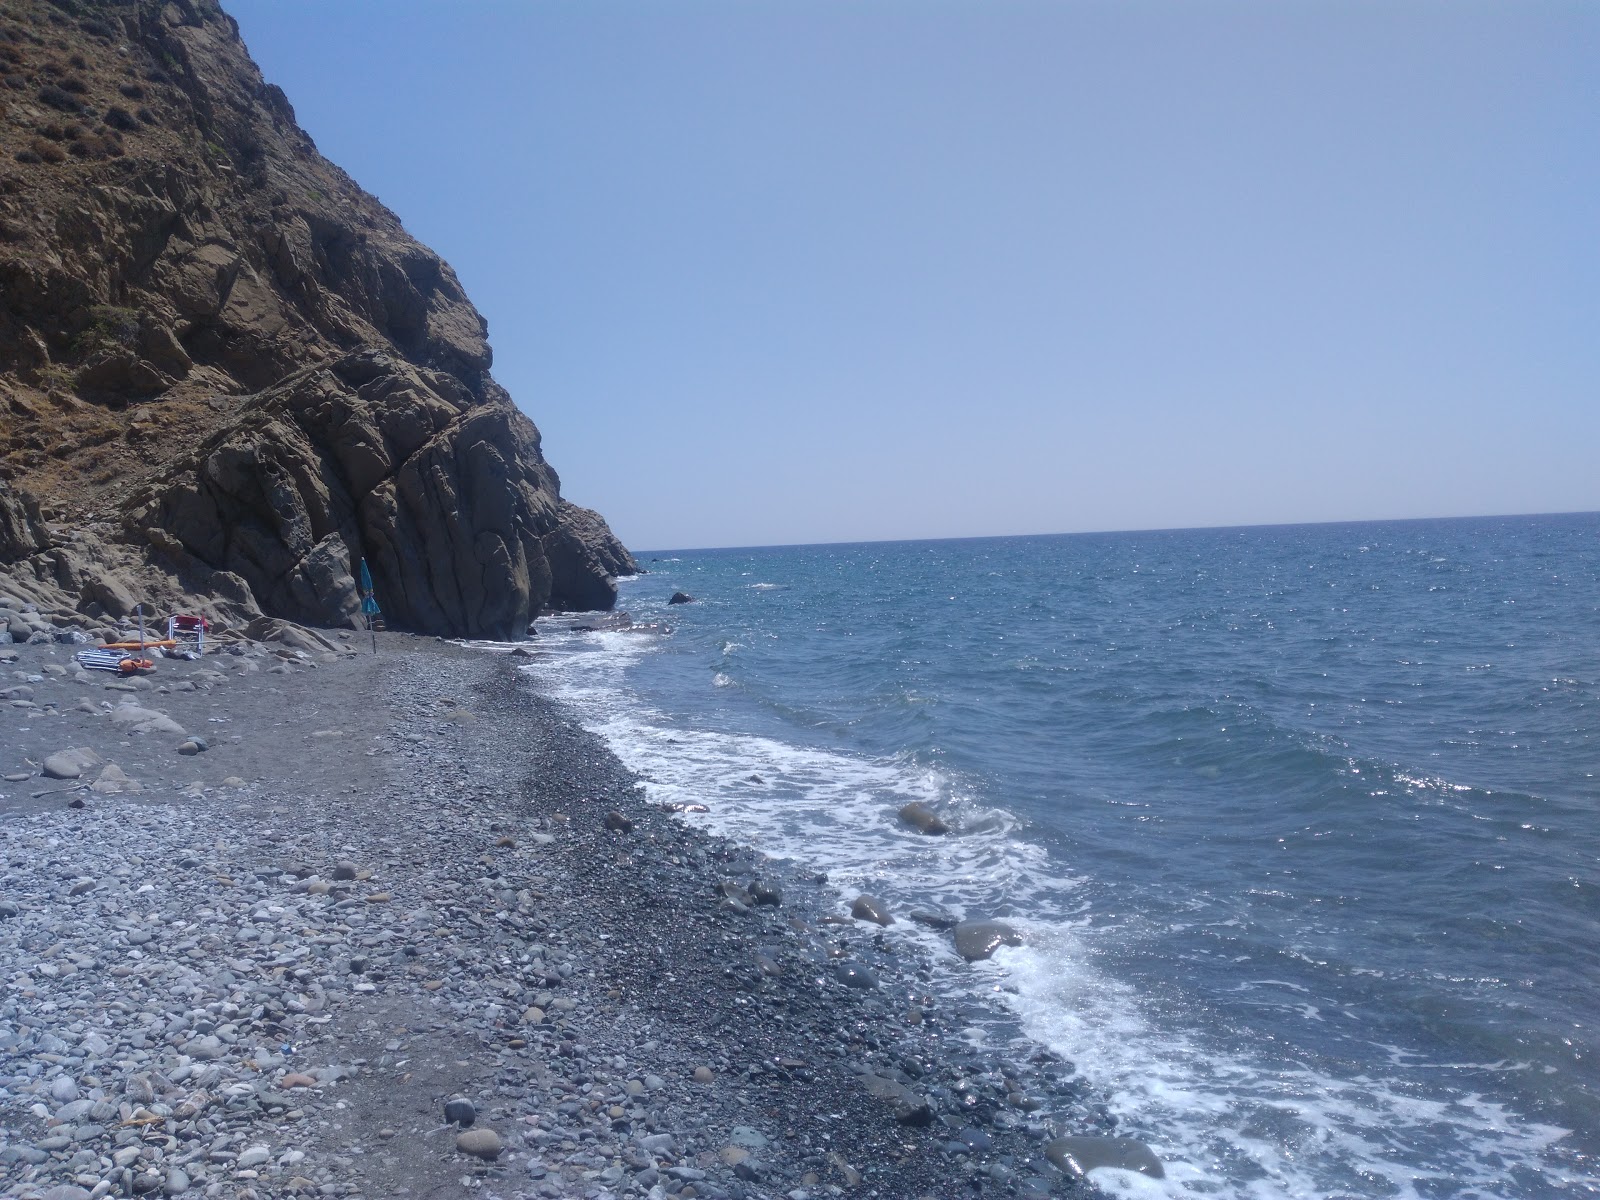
[623,1025]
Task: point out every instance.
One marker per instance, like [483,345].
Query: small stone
[253,1157]
[460,1111]
[112,781]
[762,892]
[854,975]
[379,898]
[748,1137]
[480,1143]
[703,1075]
[297,1080]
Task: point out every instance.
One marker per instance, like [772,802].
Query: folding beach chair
[102,660]
[121,662]
[182,628]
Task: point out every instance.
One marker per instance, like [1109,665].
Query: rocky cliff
[227,373]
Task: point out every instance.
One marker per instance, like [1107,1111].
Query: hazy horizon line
[991,537]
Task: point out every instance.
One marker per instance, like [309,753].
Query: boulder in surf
[1077,1156]
[977,940]
[923,819]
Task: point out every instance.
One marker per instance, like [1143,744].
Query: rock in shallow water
[1080,1155]
[870,908]
[977,940]
[923,819]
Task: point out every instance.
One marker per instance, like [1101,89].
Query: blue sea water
[1302,824]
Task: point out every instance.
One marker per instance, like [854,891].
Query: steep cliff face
[213,339]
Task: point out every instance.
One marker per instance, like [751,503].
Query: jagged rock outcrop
[211,337]
[446,496]
[22,530]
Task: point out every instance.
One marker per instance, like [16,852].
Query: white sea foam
[1229,1120]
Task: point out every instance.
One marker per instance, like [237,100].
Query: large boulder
[585,560]
[443,491]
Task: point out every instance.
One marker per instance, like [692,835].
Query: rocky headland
[227,373]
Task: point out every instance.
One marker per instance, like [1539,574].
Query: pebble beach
[400,928]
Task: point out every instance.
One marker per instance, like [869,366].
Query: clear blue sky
[817,270]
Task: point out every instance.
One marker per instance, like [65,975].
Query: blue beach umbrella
[369,604]
[369,601]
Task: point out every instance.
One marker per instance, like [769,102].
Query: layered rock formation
[216,346]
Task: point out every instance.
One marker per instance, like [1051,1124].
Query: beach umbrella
[369,604]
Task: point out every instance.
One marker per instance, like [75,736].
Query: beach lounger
[104,658]
[101,660]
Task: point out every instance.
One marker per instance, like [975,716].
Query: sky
[797,271]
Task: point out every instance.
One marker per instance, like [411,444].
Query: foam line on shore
[1219,1113]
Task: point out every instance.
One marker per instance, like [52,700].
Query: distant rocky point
[227,373]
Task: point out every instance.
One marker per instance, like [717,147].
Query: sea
[1301,823]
